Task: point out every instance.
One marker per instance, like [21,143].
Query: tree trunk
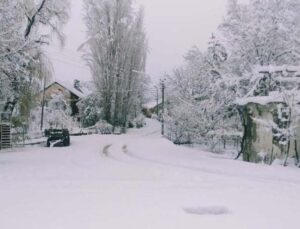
[287,153]
[296,152]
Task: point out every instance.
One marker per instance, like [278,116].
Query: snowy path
[139,181]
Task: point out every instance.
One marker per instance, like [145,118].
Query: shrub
[139,121]
[104,127]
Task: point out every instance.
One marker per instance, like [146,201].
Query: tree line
[202,92]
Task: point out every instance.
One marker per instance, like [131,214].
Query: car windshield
[56,132]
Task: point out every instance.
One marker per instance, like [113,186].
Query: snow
[274,97]
[69,86]
[141,180]
[151,104]
[35,141]
[274,68]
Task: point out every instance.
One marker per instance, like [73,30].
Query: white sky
[173,27]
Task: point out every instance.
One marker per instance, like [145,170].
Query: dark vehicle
[57,137]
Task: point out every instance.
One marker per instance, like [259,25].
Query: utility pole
[163,87]
[43,104]
[156,100]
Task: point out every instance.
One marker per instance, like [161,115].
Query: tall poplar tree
[116,54]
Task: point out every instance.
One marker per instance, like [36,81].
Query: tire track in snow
[219,173]
[156,162]
[109,155]
[150,133]
[105,150]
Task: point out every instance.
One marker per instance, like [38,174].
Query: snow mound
[212,210]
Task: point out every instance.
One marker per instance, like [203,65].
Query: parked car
[57,137]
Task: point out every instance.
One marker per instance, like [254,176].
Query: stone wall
[259,142]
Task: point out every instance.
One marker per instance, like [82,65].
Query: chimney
[77,85]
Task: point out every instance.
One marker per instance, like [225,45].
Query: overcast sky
[173,26]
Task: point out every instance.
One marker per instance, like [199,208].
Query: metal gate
[5,132]
[5,136]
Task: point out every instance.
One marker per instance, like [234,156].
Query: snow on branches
[25,27]
[116,53]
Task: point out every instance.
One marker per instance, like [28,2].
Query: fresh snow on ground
[141,180]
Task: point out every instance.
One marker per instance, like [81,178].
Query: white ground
[141,181]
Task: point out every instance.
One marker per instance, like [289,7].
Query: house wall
[55,89]
[68,96]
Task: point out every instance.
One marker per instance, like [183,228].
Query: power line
[78,65]
[55,47]
[66,58]
[63,53]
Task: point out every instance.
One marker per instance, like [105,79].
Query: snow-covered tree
[89,110]
[25,26]
[200,96]
[116,54]
[261,32]
[57,114]
[202,93]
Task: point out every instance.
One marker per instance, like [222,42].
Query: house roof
[151,104]
[82,93]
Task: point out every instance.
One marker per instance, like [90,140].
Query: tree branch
[31,20]
[282,54]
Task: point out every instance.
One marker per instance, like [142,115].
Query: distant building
[151,108]
[73,93]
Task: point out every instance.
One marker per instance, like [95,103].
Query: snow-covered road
[139,181]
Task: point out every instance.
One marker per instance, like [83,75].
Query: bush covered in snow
[139,121]
[103,127]
[57,114]
[89,110]
[178,132]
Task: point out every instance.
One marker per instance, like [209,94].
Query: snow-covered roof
[289,78]
[82,93]
[151,104]
[262,100]
[274,69]
[273,97]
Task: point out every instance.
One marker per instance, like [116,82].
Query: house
[151,108]
[271,116]
[72,93]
